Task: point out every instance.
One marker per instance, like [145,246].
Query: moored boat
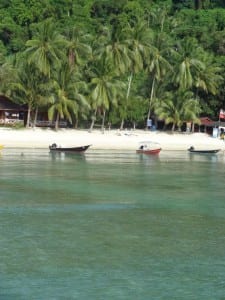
[204,151]
[148,147]
[79,149]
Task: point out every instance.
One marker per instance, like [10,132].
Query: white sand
[110,140]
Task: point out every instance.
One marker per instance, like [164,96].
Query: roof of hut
[7,105]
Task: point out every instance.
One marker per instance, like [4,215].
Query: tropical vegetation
[115,63]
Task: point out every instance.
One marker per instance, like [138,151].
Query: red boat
[148,147]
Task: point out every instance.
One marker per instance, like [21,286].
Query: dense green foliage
[117,62]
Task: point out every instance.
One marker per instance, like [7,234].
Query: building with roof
[10,112]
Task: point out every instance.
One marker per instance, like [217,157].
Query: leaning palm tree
[66,99]
[45,49]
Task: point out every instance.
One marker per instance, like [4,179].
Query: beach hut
[10,112]
[207,125]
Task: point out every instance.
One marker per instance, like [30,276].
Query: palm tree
[178,108]
[196,70]
[188,57]
[209,78]
[77,47]
[157,64]
[139,42]
[45,50]
[67,97]
[157,67]
[105,89]
[117,51]
[7,74]
[27,87]
[117,54]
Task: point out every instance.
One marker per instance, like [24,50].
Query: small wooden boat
[80,149]
[148,147]
[207,151]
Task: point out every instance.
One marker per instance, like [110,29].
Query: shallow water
[111,225]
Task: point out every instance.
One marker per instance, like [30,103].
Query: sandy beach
[109,140]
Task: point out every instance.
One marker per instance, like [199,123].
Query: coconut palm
[208,83]
[158,65]
[67,97]
[7,74]
[116,50]
[196,70]
[209,78]
[117,54]
[178,107]
[77,47]
[45,49]
[105,88]
[187,58]
[138,40]
[28,86]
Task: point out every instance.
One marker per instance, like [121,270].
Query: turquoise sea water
[111,225]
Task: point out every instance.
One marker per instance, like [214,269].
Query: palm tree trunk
[151,97]
[173,127]
[35,116]
[93,121]
[57,122]
[127,96]
[28,116]
[197,4]
[71,58]
[122,124]
[103,122]
[76,123]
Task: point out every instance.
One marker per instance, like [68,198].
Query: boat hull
[149,152]
[204,151]
[79,149]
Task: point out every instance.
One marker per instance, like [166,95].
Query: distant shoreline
[109,140]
